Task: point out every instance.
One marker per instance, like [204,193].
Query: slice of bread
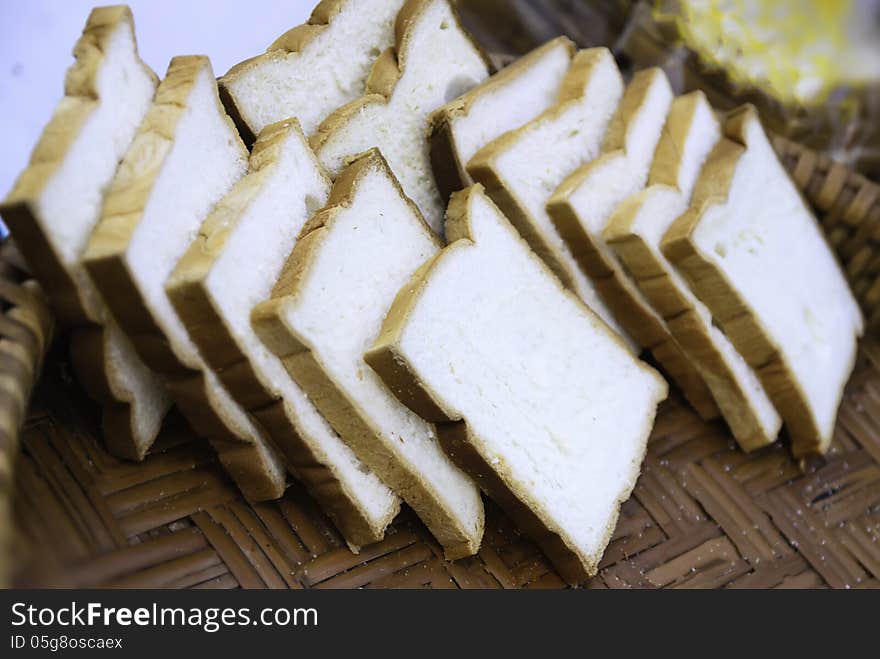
[312,69]
[185,157]
[755,255]
[56,203]
[433,62]
[635,231]
[533,394]
[522,168]
[510,98]
[327,309]
[133,399]
[234,264]
[583,204]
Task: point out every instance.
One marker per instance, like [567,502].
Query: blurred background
[811,66]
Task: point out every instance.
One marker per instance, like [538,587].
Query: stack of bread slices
[360,261]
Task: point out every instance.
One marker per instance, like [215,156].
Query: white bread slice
[433,61]
[583,204]
[312,69]
[635,231]
[234,264]
[522,168]
[185,157]
[325,312]
[755,255]
[533,394]
[510,98]
[56,203]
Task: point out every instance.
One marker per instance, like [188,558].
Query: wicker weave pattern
[703,514]
[25,332]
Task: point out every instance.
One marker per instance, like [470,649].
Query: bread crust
[640,321]
[386,73]
[713,287]
[668,156]
[683,320]
[687,327]
[254,469]
[187,287]
[105,256]
[449,171]
[350,421]
[294,40]
[106,261]
[459,442]
[483,169]
[617,291]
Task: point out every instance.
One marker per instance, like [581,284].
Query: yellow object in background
[796,50]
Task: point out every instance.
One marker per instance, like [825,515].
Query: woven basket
[703,513]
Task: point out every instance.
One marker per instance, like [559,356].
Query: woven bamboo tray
[703,514]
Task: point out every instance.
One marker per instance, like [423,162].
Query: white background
[37,37]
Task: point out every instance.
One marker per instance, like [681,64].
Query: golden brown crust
[252,468]
[616,289]
[188,291]
[482,167]
[568,222]
[106,259]
[454,434]
[293,41]
[340,117]
[590,257]
[105,256]
[67,304]
[352,423]
[620,295]
[668,160]
[630,105]
[410,13]
[320,481]
[384,74]
[383,358]
[463,103]
[449,171]
[386,71]
[235,113]
[191,397]
[187,286]
[745,424]
[455,438]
